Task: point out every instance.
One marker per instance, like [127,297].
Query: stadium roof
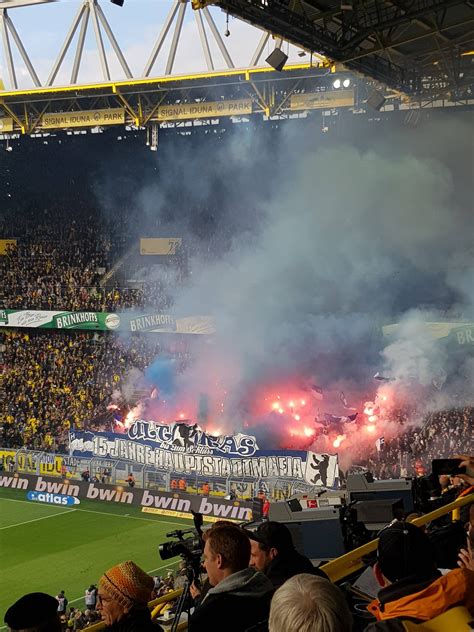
[415,46]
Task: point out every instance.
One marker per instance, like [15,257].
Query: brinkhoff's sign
[186,449]
[166,503]
[107,321]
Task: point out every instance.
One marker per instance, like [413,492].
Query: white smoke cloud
[323,242]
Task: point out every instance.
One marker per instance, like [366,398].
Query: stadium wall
[49,490]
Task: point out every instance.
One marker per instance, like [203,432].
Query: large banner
[6,124]
[189,450]
[106,321]
[318,100]
[178,504]
[31,462]
[6,245]
[160,245]
[455,334]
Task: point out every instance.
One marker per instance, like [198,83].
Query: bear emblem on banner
[322,470]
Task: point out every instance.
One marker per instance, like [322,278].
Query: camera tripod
[182,605]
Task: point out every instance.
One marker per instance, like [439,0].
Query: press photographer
[240,596]
[190,549]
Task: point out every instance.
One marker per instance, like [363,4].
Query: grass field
[49,548]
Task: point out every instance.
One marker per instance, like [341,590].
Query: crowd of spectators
[67,379]
[411,452]
[60,266]
[56,380]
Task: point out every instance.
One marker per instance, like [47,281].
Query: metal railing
[351,562]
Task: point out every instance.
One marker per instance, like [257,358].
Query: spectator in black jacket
[35,611]
[413,589]
[273,553]
[240,596]
[122,599]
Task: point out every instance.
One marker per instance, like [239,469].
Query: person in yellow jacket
[413,589]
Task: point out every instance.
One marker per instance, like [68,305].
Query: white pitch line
[106,513]
[18,524]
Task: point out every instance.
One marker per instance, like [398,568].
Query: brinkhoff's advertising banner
[188,450]
[106,321]
[43,489]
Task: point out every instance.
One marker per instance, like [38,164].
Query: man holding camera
[240,596]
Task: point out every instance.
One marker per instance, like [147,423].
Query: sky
[136,26]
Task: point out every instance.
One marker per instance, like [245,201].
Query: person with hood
[122,599]
[273,553]
[413,589]
[240,596]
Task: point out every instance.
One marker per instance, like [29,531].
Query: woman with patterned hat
[123,596]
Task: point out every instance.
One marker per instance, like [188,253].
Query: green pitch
[49,548]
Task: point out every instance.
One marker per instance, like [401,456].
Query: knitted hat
[404,550]
[127,584]
[37,610]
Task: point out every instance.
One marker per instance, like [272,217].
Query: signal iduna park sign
[83,118]
[176,504]
[204,109]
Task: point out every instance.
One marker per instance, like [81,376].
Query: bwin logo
[52,499]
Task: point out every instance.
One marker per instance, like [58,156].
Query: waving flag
[382,378]
[333,419]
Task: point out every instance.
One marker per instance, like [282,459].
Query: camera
[189,545]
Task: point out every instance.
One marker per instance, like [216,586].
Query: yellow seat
[454,620]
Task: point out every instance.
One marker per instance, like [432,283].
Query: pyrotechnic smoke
[311,245]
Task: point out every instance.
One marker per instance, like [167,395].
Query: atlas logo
[52,499]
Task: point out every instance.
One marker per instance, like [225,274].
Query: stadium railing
[336,570]
[39,462]
[343,566]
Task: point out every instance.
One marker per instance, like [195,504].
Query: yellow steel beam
[114,85]
[34,124]
[351,562]
[279,108]
[18,121]
[154,109]
[128,107]
[265,106]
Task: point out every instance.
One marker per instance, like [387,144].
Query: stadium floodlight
[346,83]
[336,84]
